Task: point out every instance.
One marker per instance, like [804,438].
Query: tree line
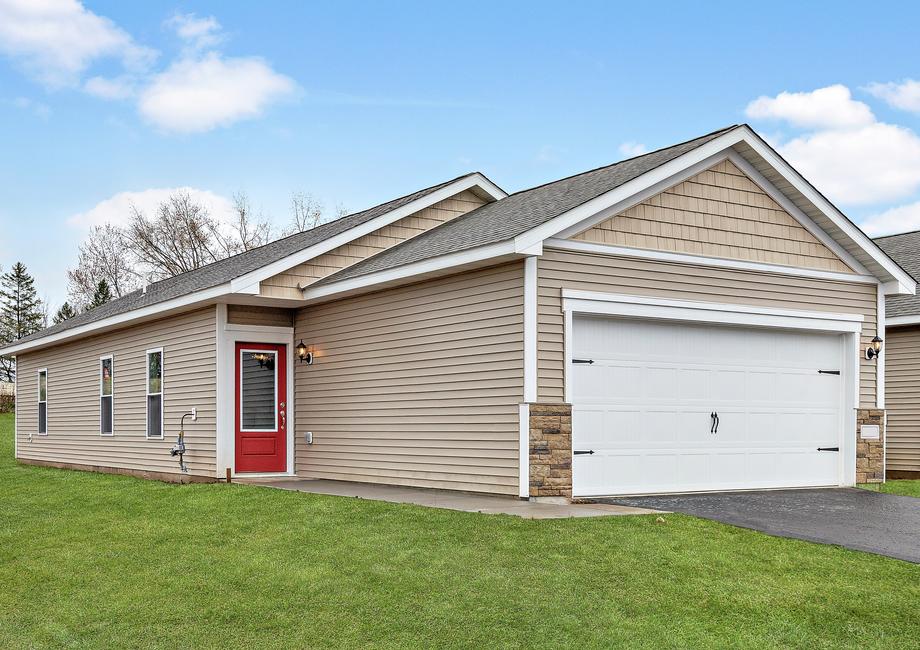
[113,261]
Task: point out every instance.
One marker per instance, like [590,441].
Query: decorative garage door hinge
[581,452]
[828,448]
[828,372]
[582,360]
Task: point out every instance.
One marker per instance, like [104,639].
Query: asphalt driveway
[885,524]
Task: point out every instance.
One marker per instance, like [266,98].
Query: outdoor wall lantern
[874,349]
[303,353]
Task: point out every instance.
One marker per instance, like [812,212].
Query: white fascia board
[157,309]
[249,283]
[898,321]
[846,226]
[702,260]
[431,265]
[627,305]
[692,162]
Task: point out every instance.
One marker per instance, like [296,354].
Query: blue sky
[103,103]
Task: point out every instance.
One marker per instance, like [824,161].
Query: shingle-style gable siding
[285,285]
[719,212]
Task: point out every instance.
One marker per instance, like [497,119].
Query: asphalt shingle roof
[518,213]
[905,250]
[230,268]
[492,223]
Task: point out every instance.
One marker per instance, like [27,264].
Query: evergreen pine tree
[21,311]
[65,312]
[102,295]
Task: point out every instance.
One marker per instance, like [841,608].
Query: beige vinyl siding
[284,285]
[558,269]
[902,398]
[416,385]
[189,380]
[719,212]
[258,315]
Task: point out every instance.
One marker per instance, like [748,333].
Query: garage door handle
[714,427]
[582,452]
[828,448]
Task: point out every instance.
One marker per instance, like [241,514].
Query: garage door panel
[644,407]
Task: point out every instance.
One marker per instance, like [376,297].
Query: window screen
[155,394]
[106,394]
[43,401]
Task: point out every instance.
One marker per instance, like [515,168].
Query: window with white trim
[43,401]
[155,393]
[106,395]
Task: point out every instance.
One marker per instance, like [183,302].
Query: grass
[907,488]
[92,560]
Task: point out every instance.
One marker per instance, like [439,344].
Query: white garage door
[671,407]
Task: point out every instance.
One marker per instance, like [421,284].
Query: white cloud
[873,164]
[57,40]
[633,149]
[846,153]
[905,95]
[903,218]
[831,107]
[201,94]
[199,33]
[116,88]
[38,109]
[117,209]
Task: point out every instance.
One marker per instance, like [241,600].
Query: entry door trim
[280,350]
[228,335]
[636,306]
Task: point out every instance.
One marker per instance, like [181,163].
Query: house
[695,318]
[902,368]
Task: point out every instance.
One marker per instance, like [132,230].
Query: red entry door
[261,407]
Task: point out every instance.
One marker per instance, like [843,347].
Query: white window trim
[147,393]
[99,368]
[39,376]
[638,307]
[228,335]
[239,360]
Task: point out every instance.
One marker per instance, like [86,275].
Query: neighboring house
[902,367]
[695,318]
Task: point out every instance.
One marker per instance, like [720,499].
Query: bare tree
[307,212]
[180,238]
[245,232]
[104,255]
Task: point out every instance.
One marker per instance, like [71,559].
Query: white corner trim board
[880,359]
[591,302]
[530,329]
[702,260]
[249,283]
[524,451]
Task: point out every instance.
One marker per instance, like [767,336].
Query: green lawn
[91,560]
[905,488]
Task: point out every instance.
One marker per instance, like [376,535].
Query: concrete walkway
[492,505]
